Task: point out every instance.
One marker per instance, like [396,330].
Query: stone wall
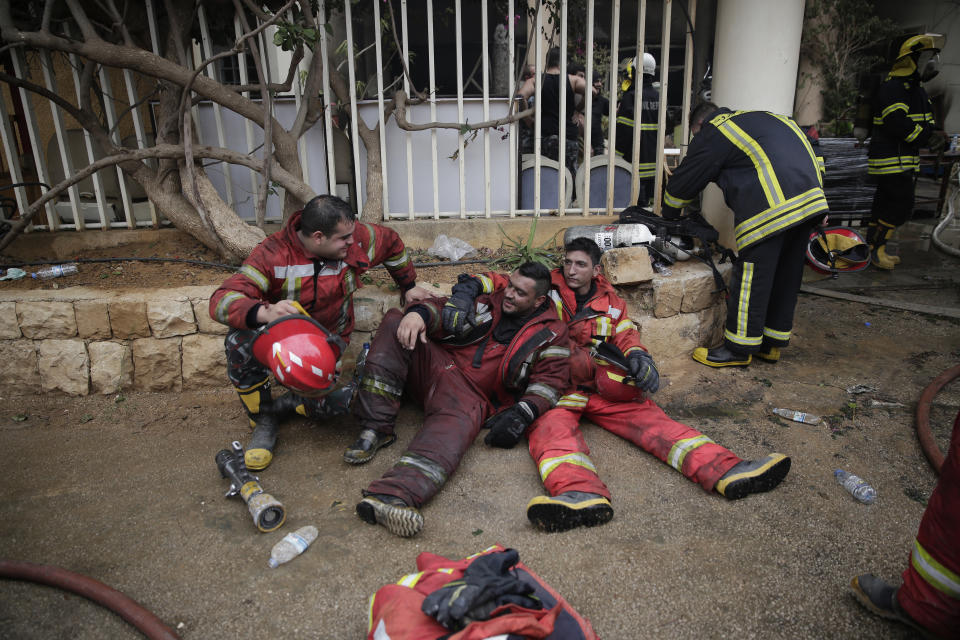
[80,341]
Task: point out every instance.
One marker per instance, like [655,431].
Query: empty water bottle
[292,545]
[55,271]
[797,416]
[857,487]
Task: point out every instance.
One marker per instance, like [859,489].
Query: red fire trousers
[561,453]
[931,584]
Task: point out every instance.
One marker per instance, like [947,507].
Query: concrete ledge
[79,341]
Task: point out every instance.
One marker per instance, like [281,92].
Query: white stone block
[204,362]
[9,324]
[41,320]
[170,317]
[93,319]
[19,373]
[156,364]
[64,366]
[111,367]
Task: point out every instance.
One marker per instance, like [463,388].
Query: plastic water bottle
[857,487]
[55,271]
[292,545]
[797,416]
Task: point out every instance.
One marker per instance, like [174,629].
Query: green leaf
[85,418]
[20,417]
[477,532]
[328,28]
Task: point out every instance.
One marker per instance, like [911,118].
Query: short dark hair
[586,245]
[575,67]
[539,274]
[701,111]
[553,57]
[324,213]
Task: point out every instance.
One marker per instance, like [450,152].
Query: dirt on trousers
[124,489]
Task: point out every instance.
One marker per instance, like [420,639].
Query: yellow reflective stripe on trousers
[756,154]
[548,465]
[776,335]
[743,310]
[934,573]
[680,449]
[574,400]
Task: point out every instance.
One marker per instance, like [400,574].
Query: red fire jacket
[279,269]
[603,319]
[534,366]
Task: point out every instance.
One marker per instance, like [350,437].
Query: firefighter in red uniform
[929,597]
[599,326]
[311,266]
[508,370]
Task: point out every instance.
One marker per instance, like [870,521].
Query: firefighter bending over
[773,181]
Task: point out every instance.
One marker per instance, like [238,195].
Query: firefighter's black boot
[257,400]
[880,598]
[367,445]
[720,357]
[753,476]
[569,510]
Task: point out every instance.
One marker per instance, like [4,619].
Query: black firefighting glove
[643,371]
[458,313]
[936,142]
[507,426]
[486,584]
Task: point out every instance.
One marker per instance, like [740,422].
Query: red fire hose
[927,443]
[148,624]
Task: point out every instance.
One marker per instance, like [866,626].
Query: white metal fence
[434,173]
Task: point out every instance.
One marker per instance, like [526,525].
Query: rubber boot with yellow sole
[720,357]
[257,401]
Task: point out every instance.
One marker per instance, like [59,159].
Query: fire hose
[125,607]
[927,443]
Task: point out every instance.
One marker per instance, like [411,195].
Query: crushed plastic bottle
[56,271]
[857,487]
[797,416]
[292,545]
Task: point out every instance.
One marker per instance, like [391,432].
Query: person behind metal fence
[902,124]
[612,376]
[649,115]
[773,181]
[308,272]
[510,368]
[928,599]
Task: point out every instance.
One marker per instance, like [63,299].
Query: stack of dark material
[848,188]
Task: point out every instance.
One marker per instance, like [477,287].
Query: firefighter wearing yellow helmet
[626,123]
[902,124]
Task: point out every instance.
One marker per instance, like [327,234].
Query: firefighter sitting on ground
[312,266]
[511,368]
[610,397]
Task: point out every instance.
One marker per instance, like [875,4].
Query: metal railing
[435,173]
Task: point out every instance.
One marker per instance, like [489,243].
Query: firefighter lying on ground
[511,368]
[598,324]
[311,266]
[773,181]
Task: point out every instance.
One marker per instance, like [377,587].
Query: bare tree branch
[403,62]
[170,151]
[400,100]
[80,17]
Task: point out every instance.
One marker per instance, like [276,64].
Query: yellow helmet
[626,68]
[906,62]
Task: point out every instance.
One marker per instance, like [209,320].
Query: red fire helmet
[302,355]
[837,249]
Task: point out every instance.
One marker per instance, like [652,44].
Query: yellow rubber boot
[880,259]
[257,401]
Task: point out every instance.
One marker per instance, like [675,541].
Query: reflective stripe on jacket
[903,121]
[649,113]
[279,269]
[765,166]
